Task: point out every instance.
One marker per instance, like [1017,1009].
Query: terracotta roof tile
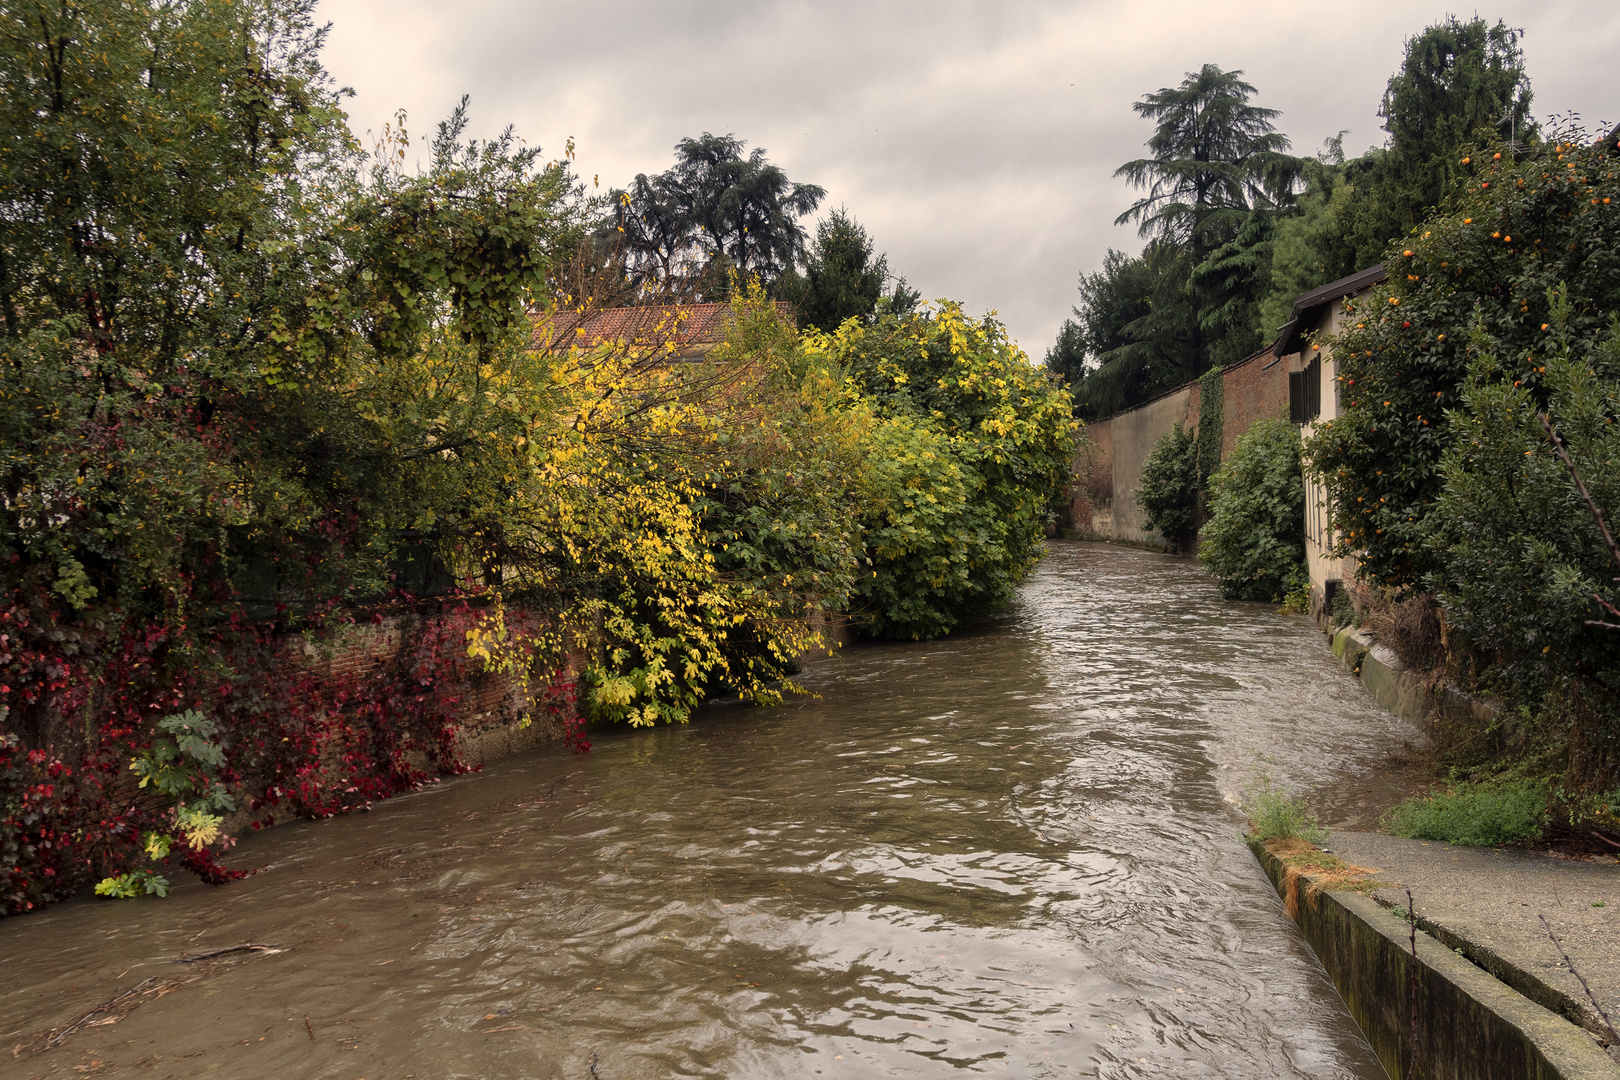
[695,328]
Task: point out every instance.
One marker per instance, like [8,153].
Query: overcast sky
[975,141]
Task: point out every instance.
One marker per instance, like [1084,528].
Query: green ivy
[1211,425]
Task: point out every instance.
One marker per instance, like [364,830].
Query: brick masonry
[491,707]
[1108,464]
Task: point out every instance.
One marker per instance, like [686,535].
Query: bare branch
[1580,486]
[1591,504]
[1614,1037]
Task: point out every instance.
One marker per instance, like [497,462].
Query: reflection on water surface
[1012,852]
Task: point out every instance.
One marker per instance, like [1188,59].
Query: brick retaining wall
[1108,465]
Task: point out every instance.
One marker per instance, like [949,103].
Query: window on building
[1305,392]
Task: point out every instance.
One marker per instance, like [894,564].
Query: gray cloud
[976,141]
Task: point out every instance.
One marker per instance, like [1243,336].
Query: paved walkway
[1485,902]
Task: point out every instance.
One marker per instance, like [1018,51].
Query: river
[1013,853]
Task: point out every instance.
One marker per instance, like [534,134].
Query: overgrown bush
[1407,623]
[1168,490]
[972,448]
[1517,557]
[1473,815]
[1497,311]
[1254,541]
[41,858]
[1521,229]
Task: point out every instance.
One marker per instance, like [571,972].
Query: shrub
[38,820]
[1473,815]
[1519,228]
[972,449]
[1254,542]
[1297,600]
[1168,491]
[1518,558]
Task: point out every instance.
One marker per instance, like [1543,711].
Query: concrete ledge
[1470,1026]
[1350,645]
[1526,982]
[1407,695]
[1392,686]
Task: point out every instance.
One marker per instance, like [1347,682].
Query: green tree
[1518,561]
[1458,82]
[145,266]
[1215,157]
[1327,235]
[1066,357]
[714,213]
[973,448]
[1135,330]
[1519,230]
[654,229]
[1254,540]
[741,208]
[1231,283]
[1217,177]
[841,279]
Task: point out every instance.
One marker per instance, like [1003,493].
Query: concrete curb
[1526,982]
[1469,1025]
[1408,696]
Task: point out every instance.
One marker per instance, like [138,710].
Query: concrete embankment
[1496,907]
[1476,992]
[1468,1025]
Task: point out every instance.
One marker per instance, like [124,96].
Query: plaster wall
[1326,571]
[1134,434]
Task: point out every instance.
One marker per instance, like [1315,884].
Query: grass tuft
[1275,815]
[1473,815]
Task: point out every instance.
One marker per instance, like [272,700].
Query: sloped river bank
[1011,853]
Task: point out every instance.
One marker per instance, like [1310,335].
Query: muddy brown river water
[1011,853]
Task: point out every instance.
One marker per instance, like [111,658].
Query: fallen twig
[268,950]
[61,1035]
[1614,1037]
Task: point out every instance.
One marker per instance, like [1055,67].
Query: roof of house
[1308,305]
[693,328]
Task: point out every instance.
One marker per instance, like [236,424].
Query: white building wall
[1326,571]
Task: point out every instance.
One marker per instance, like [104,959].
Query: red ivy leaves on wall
[356,707]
